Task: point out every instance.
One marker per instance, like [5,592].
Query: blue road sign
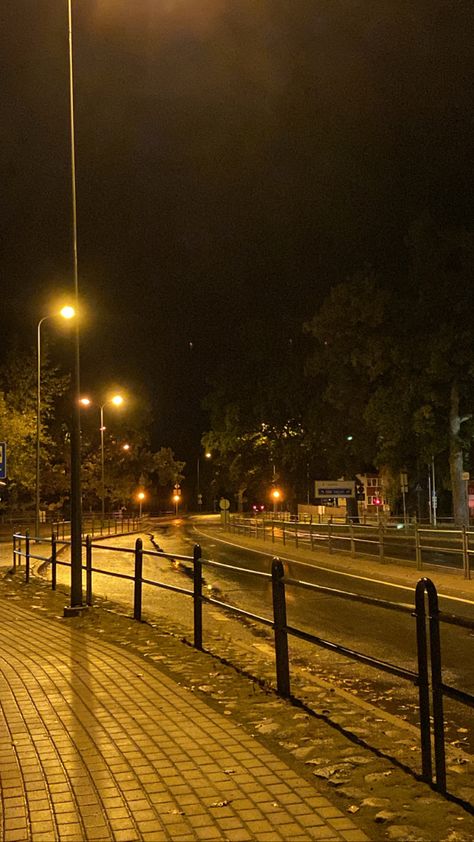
[3,460]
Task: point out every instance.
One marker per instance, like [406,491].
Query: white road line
[332,570]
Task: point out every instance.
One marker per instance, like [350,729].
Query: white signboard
[334,488]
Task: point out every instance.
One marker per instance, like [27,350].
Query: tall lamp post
[67,313]
[176,499]
[140,498]
[117,400]
[76,605]
[276,496]
[198,488]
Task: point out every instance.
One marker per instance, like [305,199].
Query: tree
[395,358]
[256,406]
[18,426]
[129,462]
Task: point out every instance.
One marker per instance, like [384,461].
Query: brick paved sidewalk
[98,744]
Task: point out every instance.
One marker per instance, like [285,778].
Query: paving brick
[15,835]
[159,750]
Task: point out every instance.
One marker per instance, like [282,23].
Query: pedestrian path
[98,743]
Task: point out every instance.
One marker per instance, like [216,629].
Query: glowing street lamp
[208,455]
[176,499]
[276,497]
[117,400]
[140,497]
[66,313]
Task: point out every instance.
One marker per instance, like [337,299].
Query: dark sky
[234,159]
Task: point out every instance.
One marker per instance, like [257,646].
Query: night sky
[234,158]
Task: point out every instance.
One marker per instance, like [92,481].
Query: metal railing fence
[428,677]
[423,546]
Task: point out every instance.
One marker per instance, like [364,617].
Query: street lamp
[140,498]
[117,400]
[276,495]
[208,455]
[176,499]
[67,313]
[76,605]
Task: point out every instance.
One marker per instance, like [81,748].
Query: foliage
[125,470]
[388,382]
[256,407]
[396,359]
[129,464]
[18,425]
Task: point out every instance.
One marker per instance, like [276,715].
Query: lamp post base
[75,610]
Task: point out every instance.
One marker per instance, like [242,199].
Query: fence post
[329,537]
[14,551]
[381,543]
[351,530]
[137,597]
[273,532]
[419,564]
[423,686]
[54,552]
[311,534]
[279,626]
[465,553]
[436,687]
[284,535]
[436,684]
[296,534]
[27,556]
[197,597]
[88,570]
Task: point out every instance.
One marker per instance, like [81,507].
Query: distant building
[373,492]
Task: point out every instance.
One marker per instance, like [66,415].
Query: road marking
[331,569]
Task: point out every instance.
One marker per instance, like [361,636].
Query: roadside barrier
[423,546]
[427,678]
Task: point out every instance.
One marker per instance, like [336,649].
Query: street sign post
[404,489]
[3,460]
[224,505]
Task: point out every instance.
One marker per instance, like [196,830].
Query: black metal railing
[427,677]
